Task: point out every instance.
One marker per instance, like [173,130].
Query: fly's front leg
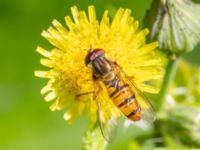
[85,95]
[82,94]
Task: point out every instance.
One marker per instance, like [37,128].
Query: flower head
[68,76]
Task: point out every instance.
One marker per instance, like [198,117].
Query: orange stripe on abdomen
[125,100]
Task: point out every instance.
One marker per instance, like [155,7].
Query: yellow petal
[50,96]
[42,74]
[46,62]
[45,89]
[43,52]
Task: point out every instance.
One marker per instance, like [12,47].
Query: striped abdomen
[124,98]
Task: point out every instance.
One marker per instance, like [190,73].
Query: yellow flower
[69,76]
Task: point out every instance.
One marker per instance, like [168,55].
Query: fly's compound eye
[92,55]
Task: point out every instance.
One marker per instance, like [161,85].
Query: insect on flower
[122,91]
[100,67]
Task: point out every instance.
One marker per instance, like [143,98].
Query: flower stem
[168,79]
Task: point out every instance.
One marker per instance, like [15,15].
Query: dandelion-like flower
[69,76]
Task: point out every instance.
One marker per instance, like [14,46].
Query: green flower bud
[93,139]
[175,24]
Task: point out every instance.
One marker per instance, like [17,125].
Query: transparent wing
[107,122]
[108,127]
[147,110]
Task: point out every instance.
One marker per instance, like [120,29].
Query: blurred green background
[26,123]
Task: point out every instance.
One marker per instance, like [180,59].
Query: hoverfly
[123,92]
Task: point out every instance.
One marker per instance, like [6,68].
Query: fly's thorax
[103,69]
[108,77]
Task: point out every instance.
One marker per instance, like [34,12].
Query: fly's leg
[86,93]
